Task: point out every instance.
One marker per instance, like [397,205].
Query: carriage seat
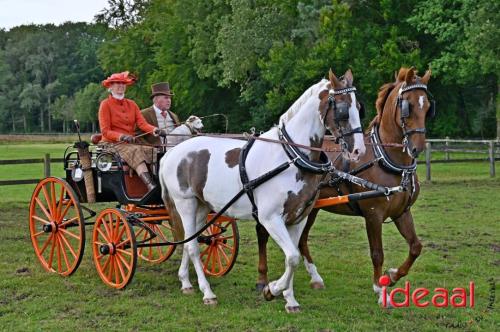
[96,138]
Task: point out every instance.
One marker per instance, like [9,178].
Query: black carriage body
[118,184]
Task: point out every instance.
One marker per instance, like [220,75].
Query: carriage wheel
[57,226]
[114,248]
[218,253]
[163,232]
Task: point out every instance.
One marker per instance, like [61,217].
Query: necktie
[164,114]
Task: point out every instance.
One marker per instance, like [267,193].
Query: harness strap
[244,177]
[384,159]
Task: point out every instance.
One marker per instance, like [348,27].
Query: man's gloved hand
[160,132]
[127,138]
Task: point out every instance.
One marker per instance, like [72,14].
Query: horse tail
[175,220]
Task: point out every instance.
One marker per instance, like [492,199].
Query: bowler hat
[161,89]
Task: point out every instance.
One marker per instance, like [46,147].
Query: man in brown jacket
[159,114]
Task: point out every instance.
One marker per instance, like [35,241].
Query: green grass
[456,217]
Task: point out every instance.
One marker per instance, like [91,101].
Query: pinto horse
[402,109]
[205,173]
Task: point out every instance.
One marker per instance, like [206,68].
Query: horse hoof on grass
[187,291]
[210,301]
[317,285]
[292,310]
[267,293]
[259,287]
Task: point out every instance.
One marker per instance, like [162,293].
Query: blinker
[405,108]
[341,111]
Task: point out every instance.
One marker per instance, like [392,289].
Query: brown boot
[148,180]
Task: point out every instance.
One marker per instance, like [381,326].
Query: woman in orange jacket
[118,117]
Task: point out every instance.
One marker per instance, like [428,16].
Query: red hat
[123,77]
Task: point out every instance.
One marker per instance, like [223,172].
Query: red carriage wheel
[219,252]
[162,232]
[57,226]
[114,248]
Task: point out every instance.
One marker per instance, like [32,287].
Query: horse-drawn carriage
[138,227]
[141,225]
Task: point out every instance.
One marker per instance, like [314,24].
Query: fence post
[447,144]
[428,161]
[46,165]
[492,158]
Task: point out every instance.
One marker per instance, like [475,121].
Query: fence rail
[46,160]
[490,150]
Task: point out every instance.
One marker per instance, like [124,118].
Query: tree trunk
[498,111]
[93,126]
[64,126]
[49,122]
[13,122]
[25,124]
[41,120]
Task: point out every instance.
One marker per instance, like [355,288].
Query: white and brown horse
[402,110]
[203,174]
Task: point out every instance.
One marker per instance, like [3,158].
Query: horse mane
[296,106]
[383,94]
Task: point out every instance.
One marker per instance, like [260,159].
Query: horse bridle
[404,106]
[341,113]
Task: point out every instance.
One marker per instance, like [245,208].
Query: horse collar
[300,160]
[384,159]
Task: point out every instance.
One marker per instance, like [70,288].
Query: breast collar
[301,160]
[384,159]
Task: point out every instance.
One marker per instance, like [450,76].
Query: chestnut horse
[205,173]
[402,109]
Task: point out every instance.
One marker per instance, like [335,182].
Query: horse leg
[316,280]
[262,237]
[186,286]
[405,226]
[280,234]
[190,212]
[374,232]
[292,306]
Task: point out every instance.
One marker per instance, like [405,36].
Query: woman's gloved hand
[127,138]
[160,132]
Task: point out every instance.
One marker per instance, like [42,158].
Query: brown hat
[161,89]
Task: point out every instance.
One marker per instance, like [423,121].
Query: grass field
[456,216]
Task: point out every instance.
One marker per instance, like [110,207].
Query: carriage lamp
[104,162]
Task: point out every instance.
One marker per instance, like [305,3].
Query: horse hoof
[317,285]
[391,273]
[292,310]
[267,293]
[187,291]
[259,287]
[210,301]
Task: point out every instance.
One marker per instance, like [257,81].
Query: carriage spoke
[49,203]
[106,263]
[205,251]
[121,233]
[111,266]
[120,268]
[59,258]
[116,230]
[60,203]
[65,255]
[68,245]
[214,258]
[219,259]
[40,204]
[102,234]
[38,234]
[53,199]
[46,243]
[66,209]
[122,251]
[224,254]
[51,254]
[121,244]
[41,220]
[124,261]
[69,221]
[117,273]
[65,231]
[225,245]
[104,224]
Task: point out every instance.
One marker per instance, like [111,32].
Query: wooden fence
[448,147]
[46,168]
[475,148]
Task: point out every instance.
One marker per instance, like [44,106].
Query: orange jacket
[119,117]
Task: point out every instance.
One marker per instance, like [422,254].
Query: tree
[30,99]
[86,103]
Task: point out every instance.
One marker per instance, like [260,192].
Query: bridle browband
[404,106]
[341,113]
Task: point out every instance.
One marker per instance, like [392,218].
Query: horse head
[341,114]
[409,105]
[194,123]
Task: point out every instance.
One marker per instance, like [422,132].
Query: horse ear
[348,77]
[402,74]
[426,77]
[410,75]
[334,80]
